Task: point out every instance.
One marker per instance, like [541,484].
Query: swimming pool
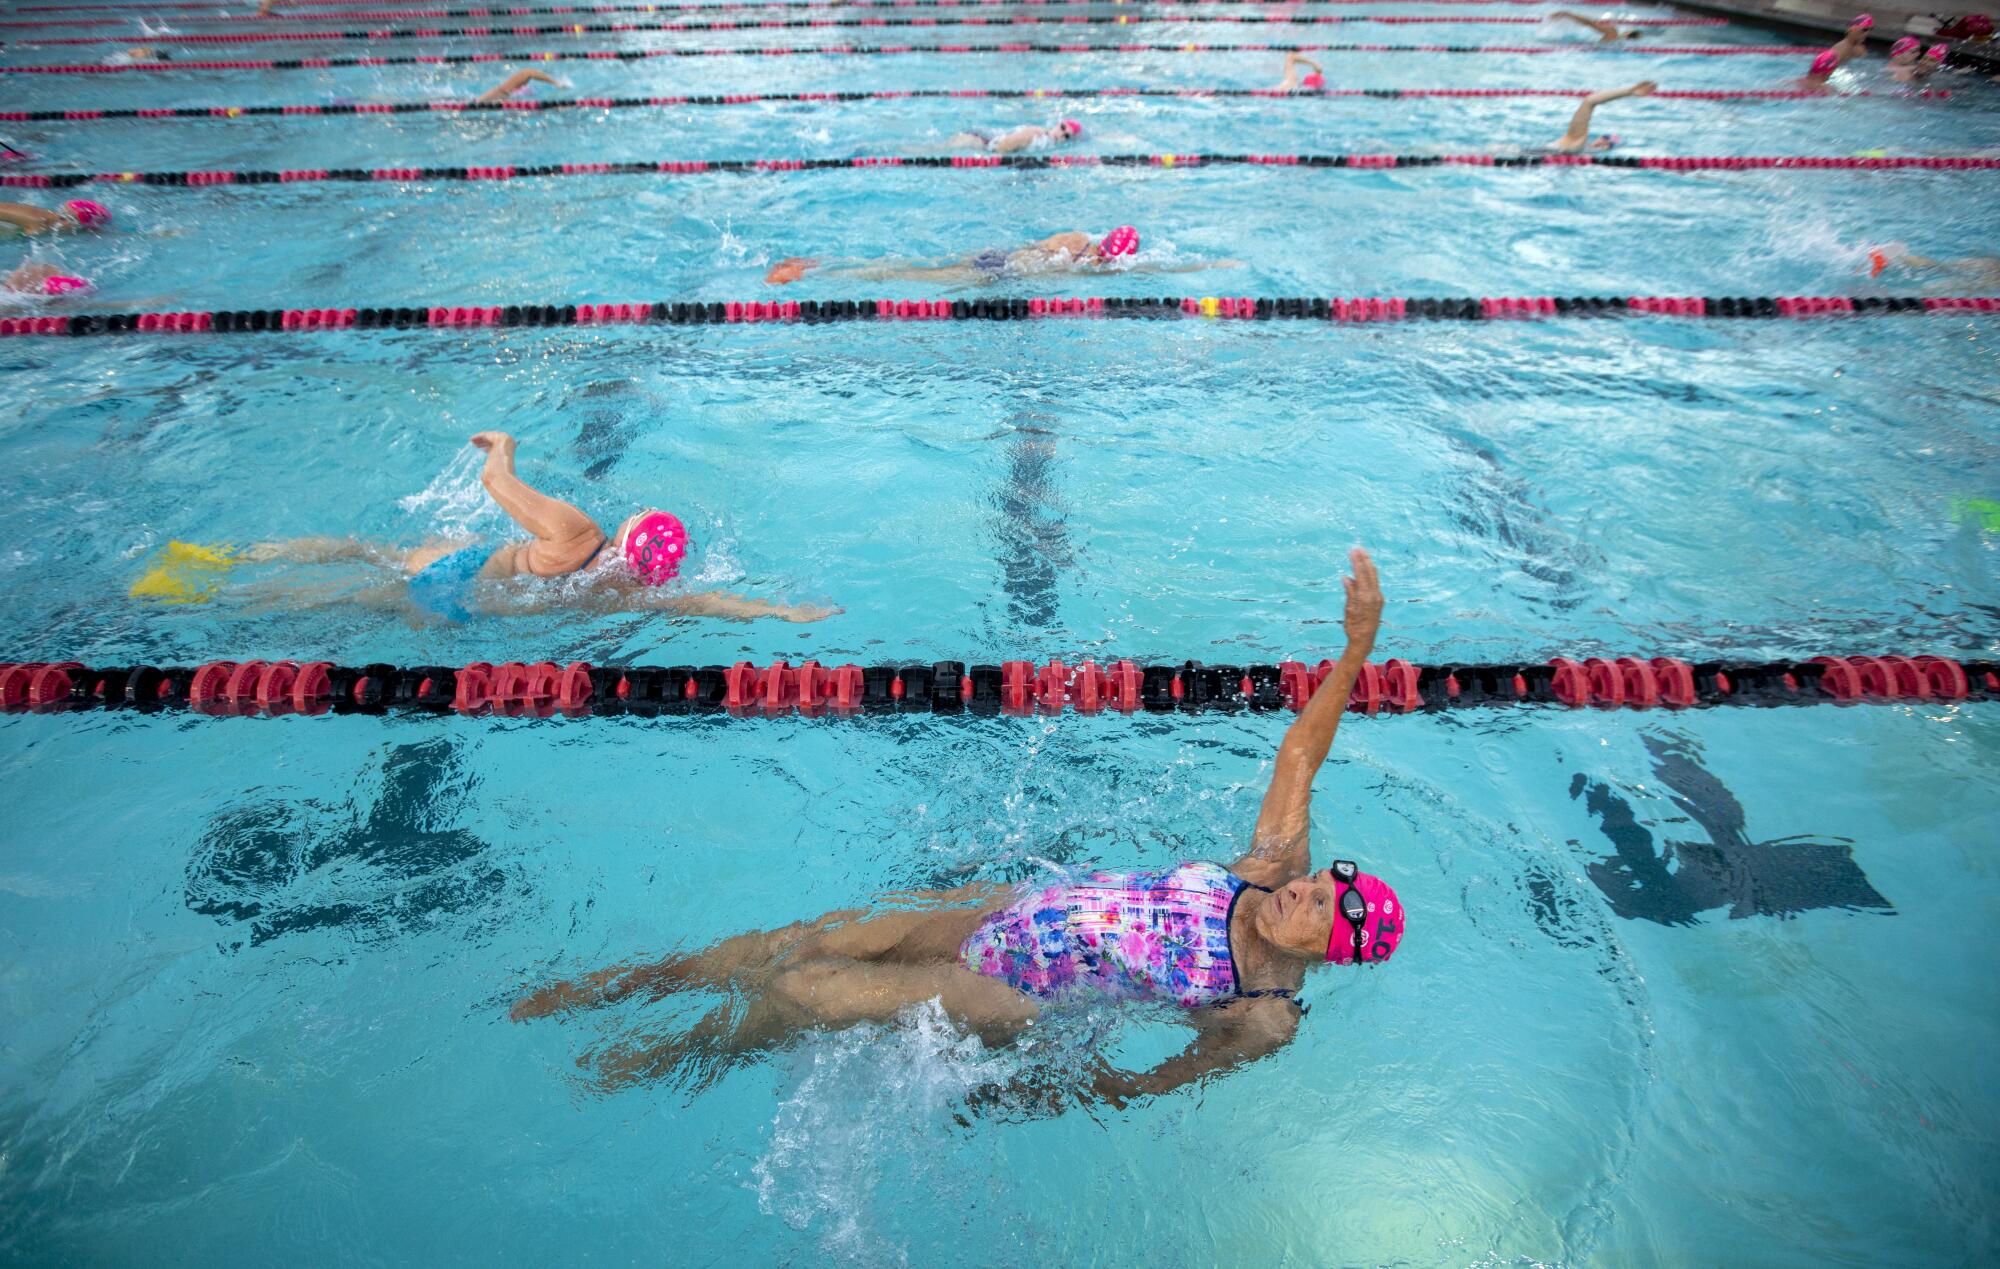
[256,974]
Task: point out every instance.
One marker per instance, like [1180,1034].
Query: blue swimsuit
[443,587]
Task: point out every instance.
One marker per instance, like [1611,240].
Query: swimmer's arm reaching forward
[1279,850]
[515,83]
[1606,31]
[716,603]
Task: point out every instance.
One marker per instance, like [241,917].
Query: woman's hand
[499,449]
[1364,603]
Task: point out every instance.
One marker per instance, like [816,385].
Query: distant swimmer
[138,54]
[1313,81]
[1026,137]
[1911,63]
[77,213]
[1982,270]
[1069,252]
[1225,949]
[1578,138]
[516,82]
[1607,31]
[42,279]
[448,579]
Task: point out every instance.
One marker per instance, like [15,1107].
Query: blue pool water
[254,976]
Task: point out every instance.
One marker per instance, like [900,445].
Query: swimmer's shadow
[284,866]
[1781,877]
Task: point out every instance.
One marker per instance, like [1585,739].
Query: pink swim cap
[1863,22]
[59,284]
[88,214]
[1826,63]
[1381,930]
[1122,241]
[1937,51]
[1073,127]
[1908,44]
[1314,80]
[655,547]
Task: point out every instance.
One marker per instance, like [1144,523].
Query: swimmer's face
[1300,915]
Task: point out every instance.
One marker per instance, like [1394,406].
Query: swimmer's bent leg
[836,994]
[721,965]
[828,995]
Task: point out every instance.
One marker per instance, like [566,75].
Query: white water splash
[454,500]
[870,1102]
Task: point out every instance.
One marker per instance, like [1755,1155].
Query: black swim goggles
[1353,909]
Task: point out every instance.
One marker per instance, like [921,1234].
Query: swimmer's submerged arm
[1233,1034]
[1279,846]
[716,603]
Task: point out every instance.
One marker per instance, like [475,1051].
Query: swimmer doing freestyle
[445,578]
[1608,32]
[1058,253]
[1578,137]
[1026,137]
[1228,945]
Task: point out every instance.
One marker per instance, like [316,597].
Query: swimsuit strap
[602,542]
[1283,993]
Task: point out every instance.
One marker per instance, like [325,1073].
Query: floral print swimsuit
[1137,935]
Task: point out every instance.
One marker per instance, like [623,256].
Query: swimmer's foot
[790,269]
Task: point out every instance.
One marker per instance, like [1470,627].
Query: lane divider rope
[1051,95]
[672,6]
[773,24]
[1037,162]
[424,14]
[1020,688]
[731,313]
[886,50]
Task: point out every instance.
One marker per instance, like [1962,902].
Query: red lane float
[745,689]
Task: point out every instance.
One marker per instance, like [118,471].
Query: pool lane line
[663,28]
[886,50]
[1154,13]
[1183,685]
[817,312]
[1052,95]
[795,7]
[1029,162]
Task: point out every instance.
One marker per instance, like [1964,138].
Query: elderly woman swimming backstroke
[1229,945]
